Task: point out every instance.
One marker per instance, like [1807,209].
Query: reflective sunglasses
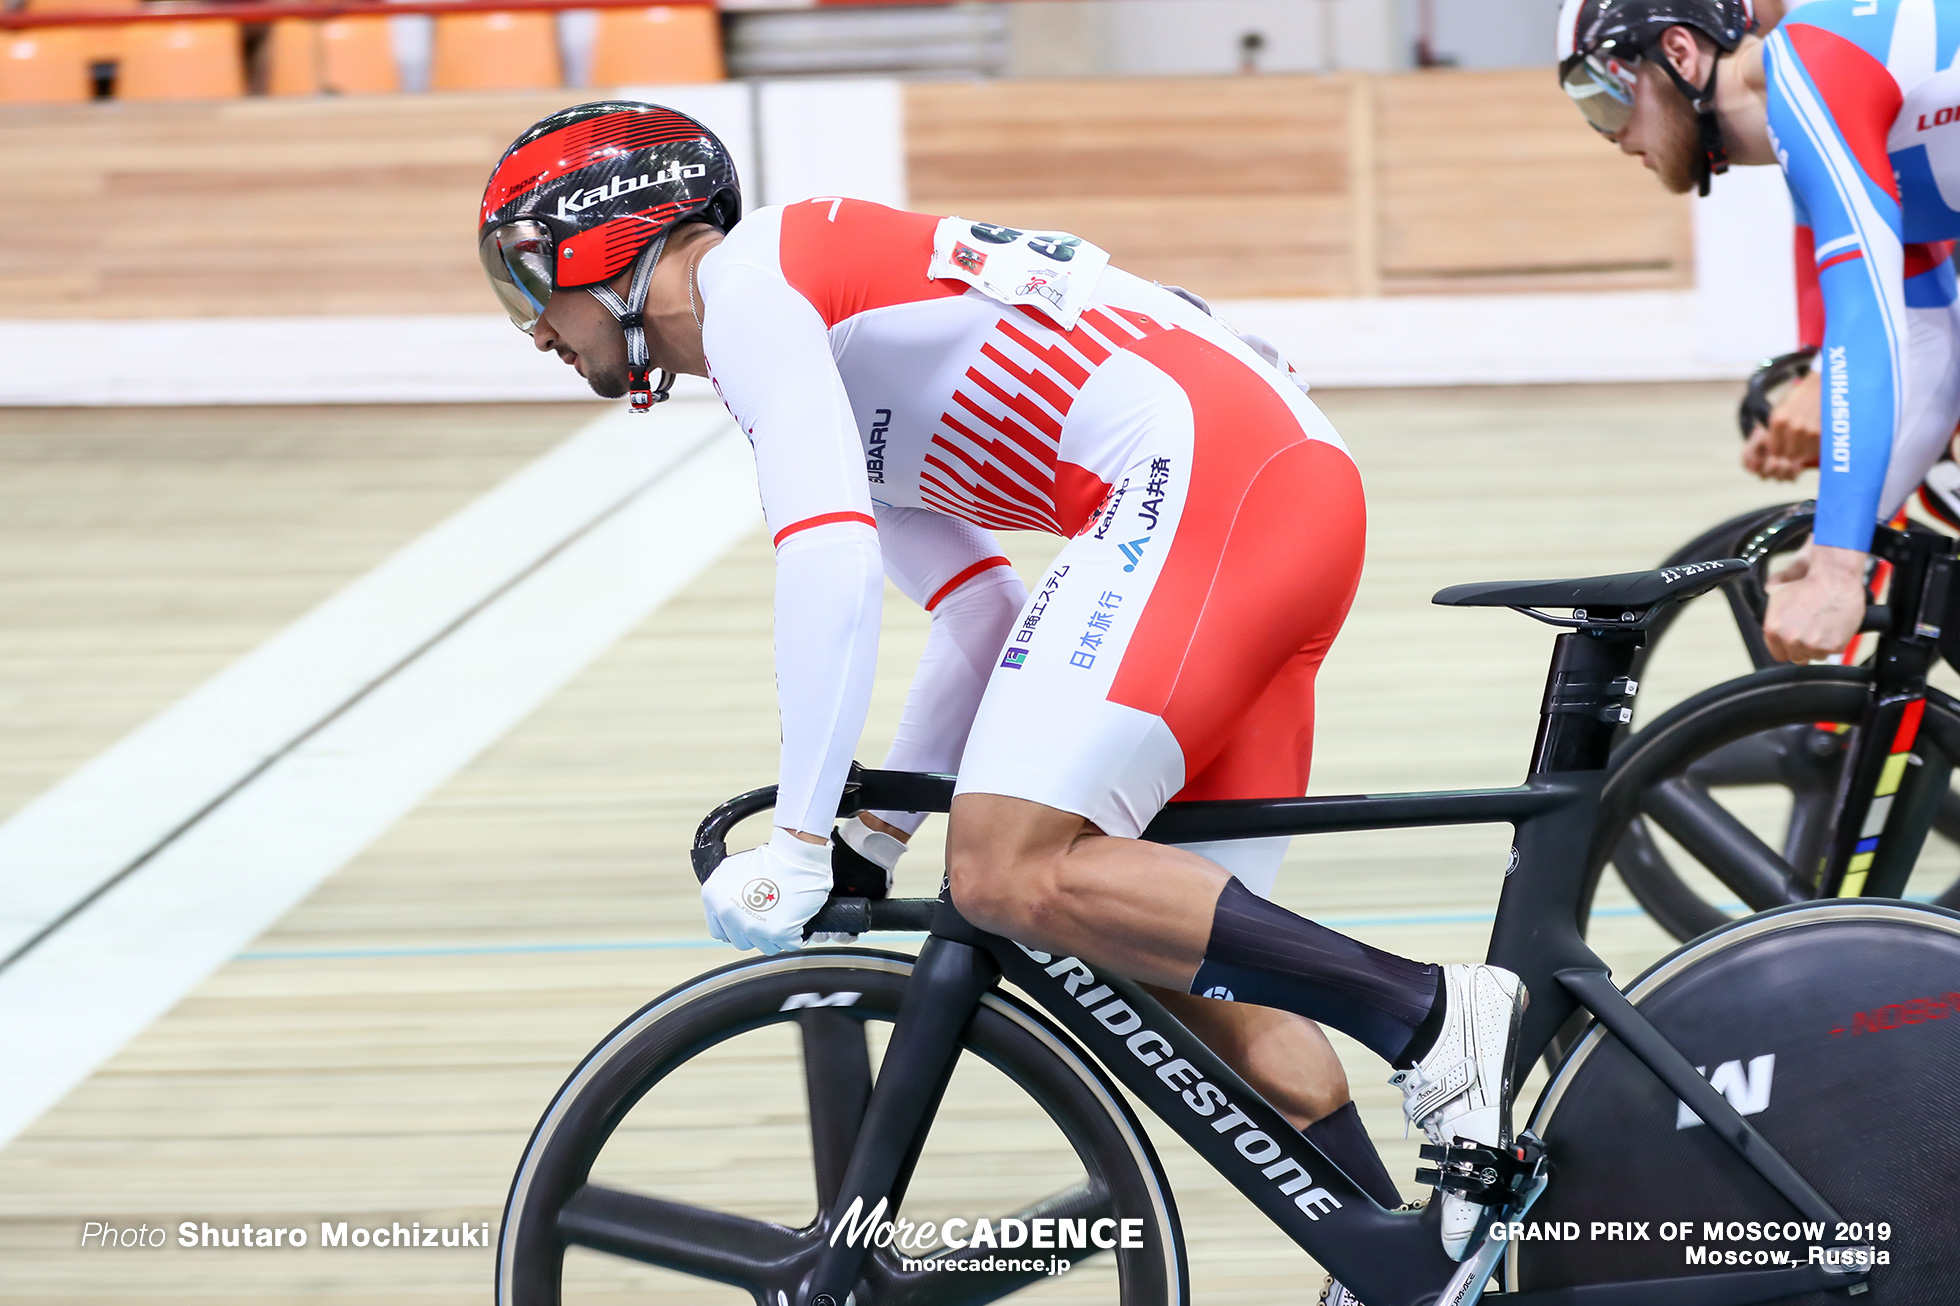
[1602,86]
[517,257]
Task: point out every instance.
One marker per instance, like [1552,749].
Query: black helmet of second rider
[1601,44]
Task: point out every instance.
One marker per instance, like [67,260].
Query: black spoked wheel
[698,1145]
[1722,806]
[1828,1026]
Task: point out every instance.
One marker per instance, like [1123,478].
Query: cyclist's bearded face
[1662,130]
[583,334]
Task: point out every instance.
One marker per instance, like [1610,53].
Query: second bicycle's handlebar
[1757,404]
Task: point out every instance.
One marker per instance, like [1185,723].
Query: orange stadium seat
[358,57]
[102,42]
[44,65]
[340,56]
[495,52]
[195,59]
[292,57]
[665,43]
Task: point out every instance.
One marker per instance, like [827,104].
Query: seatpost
[1588,696]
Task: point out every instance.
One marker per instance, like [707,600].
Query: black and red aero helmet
[600,183]
[591,191]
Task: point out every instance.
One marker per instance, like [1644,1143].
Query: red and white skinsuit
[1214,519]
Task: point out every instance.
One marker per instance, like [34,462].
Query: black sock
[1343,1140]
[1263,953]
[1426,1033]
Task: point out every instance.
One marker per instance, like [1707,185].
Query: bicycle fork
[944,992]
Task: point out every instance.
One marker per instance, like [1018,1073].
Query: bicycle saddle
[1629,590]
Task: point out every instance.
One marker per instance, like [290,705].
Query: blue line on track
[669,945]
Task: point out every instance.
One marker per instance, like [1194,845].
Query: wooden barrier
[1349,185]
[1431,182]
[362,204]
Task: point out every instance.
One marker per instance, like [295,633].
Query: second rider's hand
[1816,605]
[1789,443]
[762,898]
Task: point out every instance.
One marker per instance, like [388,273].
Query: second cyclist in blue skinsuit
[1858,101]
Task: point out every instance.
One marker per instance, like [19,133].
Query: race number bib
[1051,272]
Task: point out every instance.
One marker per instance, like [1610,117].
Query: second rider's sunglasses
[1601,84]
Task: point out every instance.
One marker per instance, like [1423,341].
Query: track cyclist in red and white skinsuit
[910,382]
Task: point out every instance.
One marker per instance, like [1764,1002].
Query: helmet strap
[630,313]
[1714,155]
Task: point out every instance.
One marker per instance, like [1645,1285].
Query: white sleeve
[769,356]
[957,573]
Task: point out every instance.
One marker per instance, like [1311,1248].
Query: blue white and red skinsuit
[1864,114]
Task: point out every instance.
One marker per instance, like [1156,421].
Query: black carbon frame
[1389,1258]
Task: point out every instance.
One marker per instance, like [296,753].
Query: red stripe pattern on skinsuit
[996,457]
[964,575]
[823,519]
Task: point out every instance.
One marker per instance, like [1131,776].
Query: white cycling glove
[762,898]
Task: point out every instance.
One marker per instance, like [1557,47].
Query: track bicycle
[1782,748]
[1821,738]
[1837,1140]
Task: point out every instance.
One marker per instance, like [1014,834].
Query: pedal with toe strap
[1488,1176]
[1506,1180]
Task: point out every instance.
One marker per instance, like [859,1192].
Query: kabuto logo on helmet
[570,206]
[563,211]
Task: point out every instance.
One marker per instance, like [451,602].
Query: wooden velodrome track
[382,1051]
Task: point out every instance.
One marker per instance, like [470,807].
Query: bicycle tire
[1807,1018]
[1005,1032]
[1753,705]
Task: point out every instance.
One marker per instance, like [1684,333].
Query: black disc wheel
[693,1154]
[1723,805]
[1834,1028]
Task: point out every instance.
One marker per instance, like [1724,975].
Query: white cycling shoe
[1462,1087]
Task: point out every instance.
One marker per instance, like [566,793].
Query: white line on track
[127,884]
